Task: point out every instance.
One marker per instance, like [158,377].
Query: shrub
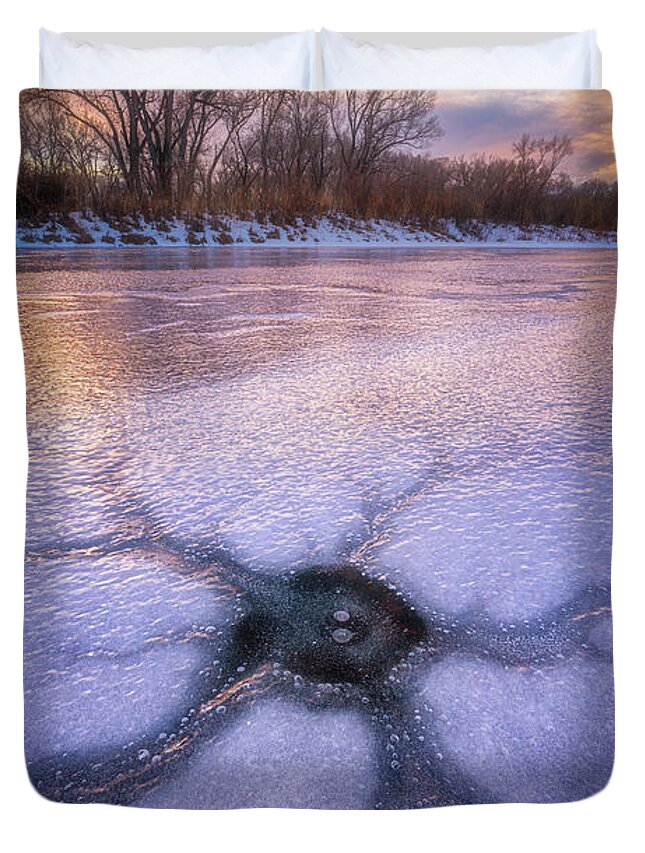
[138,240]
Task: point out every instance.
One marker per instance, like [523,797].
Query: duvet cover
[319,414]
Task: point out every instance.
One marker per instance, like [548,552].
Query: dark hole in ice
[332,625]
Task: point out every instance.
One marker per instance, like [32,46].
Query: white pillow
[286,62]
[567,62]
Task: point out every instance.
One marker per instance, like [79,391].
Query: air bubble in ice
[342,635]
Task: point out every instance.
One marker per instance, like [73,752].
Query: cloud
[489,122]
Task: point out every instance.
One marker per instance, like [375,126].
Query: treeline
[284,154]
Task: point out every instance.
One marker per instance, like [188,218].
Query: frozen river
[207,427]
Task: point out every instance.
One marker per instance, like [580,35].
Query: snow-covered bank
[86,229]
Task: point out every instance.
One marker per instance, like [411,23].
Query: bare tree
[369,125]
[236,112]
[537,160]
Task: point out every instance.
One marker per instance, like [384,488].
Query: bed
[319,509]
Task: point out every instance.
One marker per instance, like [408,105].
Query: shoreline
[526,245]
[85,230]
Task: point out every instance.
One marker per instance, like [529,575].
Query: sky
[487,122]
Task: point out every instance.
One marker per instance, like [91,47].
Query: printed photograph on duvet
[319,509]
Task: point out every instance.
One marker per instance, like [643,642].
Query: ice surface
[447,410]
[524,735]
[279,467]
[279,755]
[109,647]
[600,634]
[62,477]
[514,546]
[115,603]
[104,703]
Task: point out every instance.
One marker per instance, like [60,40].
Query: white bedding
[285,62]
[567,62]
[293,62]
